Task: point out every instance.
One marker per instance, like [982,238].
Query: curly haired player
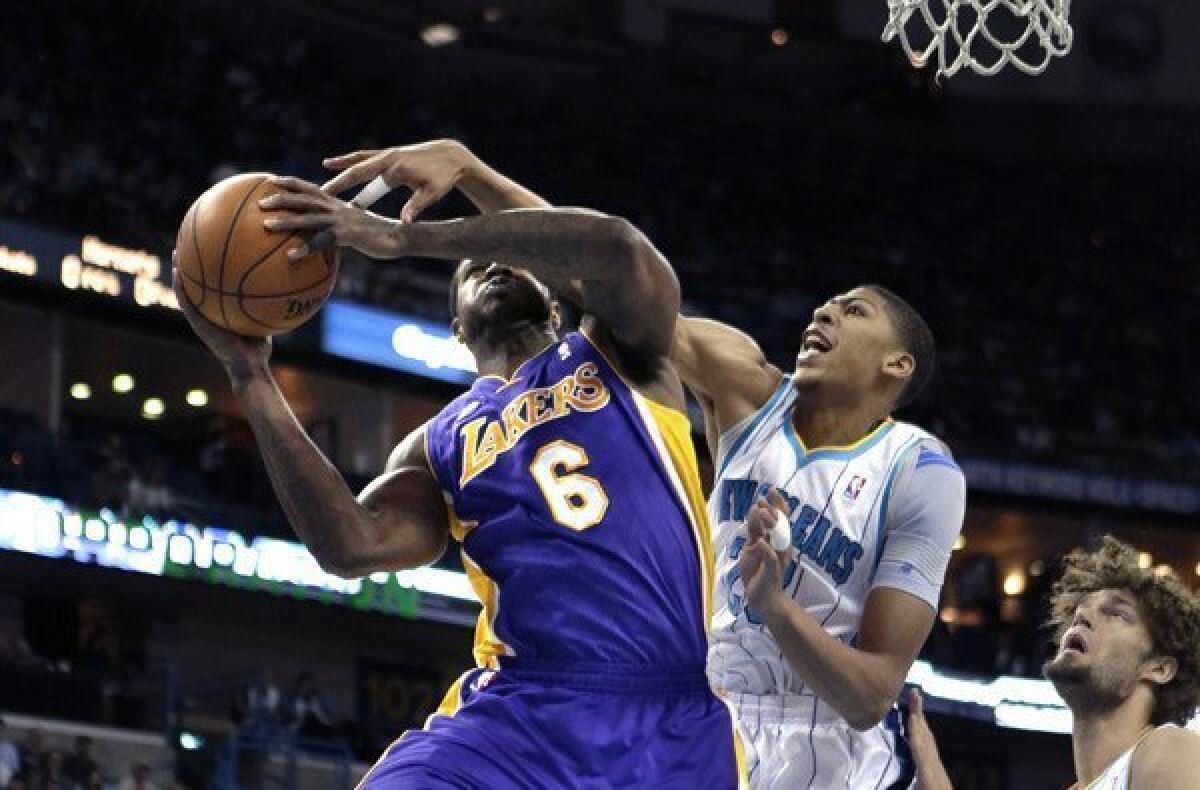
[1128,667]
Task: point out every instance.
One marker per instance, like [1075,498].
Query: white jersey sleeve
[924,517]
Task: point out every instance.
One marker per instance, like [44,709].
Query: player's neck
[829,425]
[502,355]
[1099,738]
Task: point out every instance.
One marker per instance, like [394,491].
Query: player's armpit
[1169,759]
[894,626]
[723,366]
[409,527]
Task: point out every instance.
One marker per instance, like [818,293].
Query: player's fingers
[185,303]
[342,161]
[295,201]
[750,559]
[354,175]
[915,703]
[758,523]
[777,500]
[284,222]
[421,199]
[293,184]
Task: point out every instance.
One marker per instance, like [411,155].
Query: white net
[982,35]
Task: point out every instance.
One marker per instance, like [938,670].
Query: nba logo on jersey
[483,680]
[854,488]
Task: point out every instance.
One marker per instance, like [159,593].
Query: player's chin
[807,375]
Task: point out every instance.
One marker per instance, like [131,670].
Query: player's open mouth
[815,341]
[1074,641]
[813,344]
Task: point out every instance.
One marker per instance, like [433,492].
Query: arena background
[152,597]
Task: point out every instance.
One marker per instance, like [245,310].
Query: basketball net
[964,35]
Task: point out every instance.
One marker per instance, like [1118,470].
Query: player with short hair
[811,646]
[812,639]
[568,474]
[1127,666]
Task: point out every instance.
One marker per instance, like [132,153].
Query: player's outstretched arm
[430,170]
[724,368]
[398,522]
[623,281]
[931,774]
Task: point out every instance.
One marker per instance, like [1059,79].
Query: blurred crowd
[135,472]
[33,764]
[1061,294]
[262,708]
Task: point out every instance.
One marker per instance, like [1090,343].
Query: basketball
[237,273]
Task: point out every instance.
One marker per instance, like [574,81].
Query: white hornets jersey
[838,500]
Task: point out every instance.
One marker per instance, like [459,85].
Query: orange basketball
[237,273]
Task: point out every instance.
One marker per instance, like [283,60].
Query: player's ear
[900,365]
[555,316]
[456,328]
[1160,670]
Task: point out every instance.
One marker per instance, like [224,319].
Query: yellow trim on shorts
[451,703]
[739,750]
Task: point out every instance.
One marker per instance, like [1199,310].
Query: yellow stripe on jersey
[671,433]
[458,527]
[450,705]
[488,646]
[739,751]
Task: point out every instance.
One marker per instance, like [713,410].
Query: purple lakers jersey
[579,508]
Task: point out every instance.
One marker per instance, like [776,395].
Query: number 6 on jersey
[576,501]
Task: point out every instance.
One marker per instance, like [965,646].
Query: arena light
[779,37]
[1014,583]
[1013,702]
[81,391]
[440,35]
[190,742]
[122,383]
[197,398]
[1032,717]
[153,408]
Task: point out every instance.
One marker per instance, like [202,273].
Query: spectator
[80,764]
[259,705]
[309,716]
[148,493]
[34,758]
[54,777]
[10,758]
[138,778]
[110,480]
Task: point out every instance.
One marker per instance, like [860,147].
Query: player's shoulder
[924,447]
[1172,740]
[928,467]
[1168,758]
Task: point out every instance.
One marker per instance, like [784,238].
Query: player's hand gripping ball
[238,274]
